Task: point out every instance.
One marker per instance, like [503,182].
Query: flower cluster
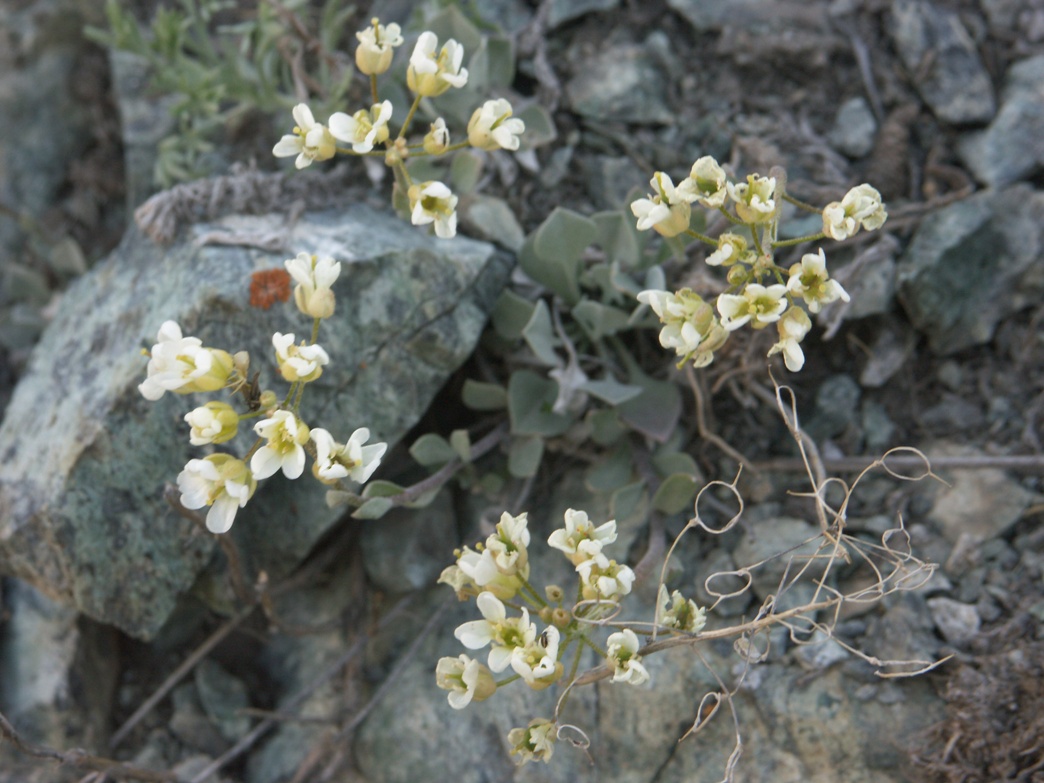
[221,481]
[761,293]
[496,573]
[432,71]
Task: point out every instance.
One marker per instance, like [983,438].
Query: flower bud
[215,422]
[554,593]
[376,47]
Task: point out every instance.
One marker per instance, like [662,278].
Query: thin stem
[409,117]
[373,88]
[801,204]
[702,237]
[798,240]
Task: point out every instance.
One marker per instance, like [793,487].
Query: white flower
[183,365]
[376,44]
[437,138]
[537,662]
[309,141]
[508,545]
[298,362]
[683,615]
[706,183]
[666,211]
[731,248]
[755,202]
[861,207]
[429,74]
[580,539]
[809,280]
[215,422]
[602,578]
[466,680]
[286,436]
[690,328]
[363,129]
[433,202]
[622,655]
[758,304]
[492,127]
[334,461]
[792,327]
[536,742]
[314,277]
[504,634]
[220,481]
[481,568]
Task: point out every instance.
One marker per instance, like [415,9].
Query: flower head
[462,584]
[758,304]
[363,129]
[215,422]
[666,211]
[678,613]
[286,435]
[755,198]
[706,183]
[861,207]
[535,742]
[433,202]
[314,277]
[492,127]
[309,141]
[690,328]
[466,680]
[181,364]
[298,362]
[537,662]
[431,74]
[504,634]
[622,655]
[334,461]
[377,42]
[604,579]
[580,539]
[437,138]
[792,327]
[731,248]
[508,544]
[810,281]
[220,481]
[481,568]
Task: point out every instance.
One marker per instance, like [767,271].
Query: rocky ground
[940,105]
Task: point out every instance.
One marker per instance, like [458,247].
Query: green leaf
[466,170]
[511,313]
[613,471]
[675,493]
[540,128]
[599,320]
[484,396]
[559,274]
[627,500]
[524,456]
[530,399]
[493,64]
[451,23]
[493,219]
[605,426]
[618,236]
[675,462]
[656,410]
[381,488]
[460,440]
[611,391]
[564,233]
[375,508]
[431,450]
[540,336]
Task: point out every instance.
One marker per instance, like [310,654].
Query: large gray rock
[933,44]
[972,264]
[1012,147]
[85,457]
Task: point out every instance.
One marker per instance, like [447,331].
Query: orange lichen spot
[269,286]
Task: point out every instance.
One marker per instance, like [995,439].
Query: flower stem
[409,117]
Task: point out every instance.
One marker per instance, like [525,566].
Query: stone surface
[936,47]
[837,407]
[854,128]
[972,264]
[620,83]
[82,515]
[563,11]
[1012,147]
[957,622]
